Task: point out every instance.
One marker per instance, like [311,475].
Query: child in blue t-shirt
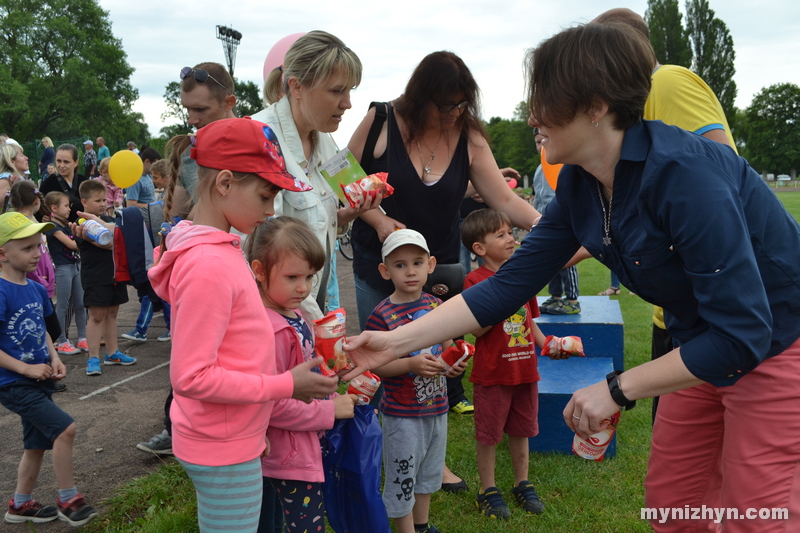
[29,364]
[414,403]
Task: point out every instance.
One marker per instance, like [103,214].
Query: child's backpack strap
[382,110]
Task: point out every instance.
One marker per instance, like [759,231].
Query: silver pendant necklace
[427,168]
[606,215]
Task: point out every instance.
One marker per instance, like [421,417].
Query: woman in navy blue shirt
[688,225]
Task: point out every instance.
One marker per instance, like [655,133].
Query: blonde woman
[319,72]
[13,164]
[48,157]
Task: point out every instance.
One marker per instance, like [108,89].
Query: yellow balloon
[125,168]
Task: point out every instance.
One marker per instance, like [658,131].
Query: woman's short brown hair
[583,66]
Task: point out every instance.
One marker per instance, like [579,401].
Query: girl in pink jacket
[284,256]
[223,361]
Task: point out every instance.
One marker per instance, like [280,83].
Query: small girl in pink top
[284,255]
[222,366]
[114,195]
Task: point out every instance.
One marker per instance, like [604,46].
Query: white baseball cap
[87,142]
[402,237]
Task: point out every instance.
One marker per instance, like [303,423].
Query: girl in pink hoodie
[284,256]
[223,361]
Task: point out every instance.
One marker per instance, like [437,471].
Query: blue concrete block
[561,378]
[599,325]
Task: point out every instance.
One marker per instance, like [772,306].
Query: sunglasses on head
[446,108]
[200,76]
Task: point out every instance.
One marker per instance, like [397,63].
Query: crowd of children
[79,272]
[247,429]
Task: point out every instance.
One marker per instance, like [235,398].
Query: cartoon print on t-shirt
[26,332]
[514,327]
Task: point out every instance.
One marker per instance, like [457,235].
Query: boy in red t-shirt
[505,372]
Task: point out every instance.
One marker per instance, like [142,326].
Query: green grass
[581,496]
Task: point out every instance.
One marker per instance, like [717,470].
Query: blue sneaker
[164,337]
[93,367]
[119,358]
[134,336]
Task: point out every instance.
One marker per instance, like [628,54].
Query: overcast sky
[490,36]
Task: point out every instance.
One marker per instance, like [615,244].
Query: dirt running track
[111,422]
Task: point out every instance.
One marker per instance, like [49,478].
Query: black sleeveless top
[432,210]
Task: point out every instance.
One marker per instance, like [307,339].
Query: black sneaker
[490,503]
[30,511]
[430,529]
[550,303]
[527,498]
[75,511]
[60,386]
[564,307]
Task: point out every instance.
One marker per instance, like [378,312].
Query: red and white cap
[244,145]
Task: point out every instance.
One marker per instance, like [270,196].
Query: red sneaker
[30,511]
[75,511]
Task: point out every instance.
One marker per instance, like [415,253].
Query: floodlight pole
[230,40]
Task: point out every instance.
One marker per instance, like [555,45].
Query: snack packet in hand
[369,186]
[460,351]
[554,346]
[594,447]
[329,333]
[364,386]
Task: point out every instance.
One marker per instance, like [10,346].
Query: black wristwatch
[616,392]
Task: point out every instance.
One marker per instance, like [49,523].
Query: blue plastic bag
[352,457]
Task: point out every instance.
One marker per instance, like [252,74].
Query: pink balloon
[278,52]
[512,183]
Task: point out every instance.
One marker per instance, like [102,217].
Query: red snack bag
[364,386]
[369,186]
[329,333]
[594,447]
[461,351]
[557,345]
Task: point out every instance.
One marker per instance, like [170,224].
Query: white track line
[104,389]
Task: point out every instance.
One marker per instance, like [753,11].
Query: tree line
[63,74]
[767,132]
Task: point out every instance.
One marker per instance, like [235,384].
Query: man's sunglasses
[200,76]
[446,108]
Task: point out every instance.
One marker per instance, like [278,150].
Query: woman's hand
[344,406]
[588,408]
[510,173]
[369,350]
[425,365]
[387,226]
[364,203]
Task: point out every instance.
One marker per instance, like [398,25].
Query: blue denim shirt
[694,229]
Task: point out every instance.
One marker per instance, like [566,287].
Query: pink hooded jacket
[223,355]
[294,427]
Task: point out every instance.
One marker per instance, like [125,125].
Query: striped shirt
[410,395]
